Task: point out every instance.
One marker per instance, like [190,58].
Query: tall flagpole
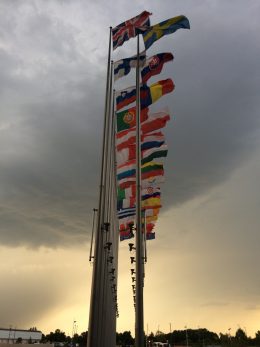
[139,312]
[95,300]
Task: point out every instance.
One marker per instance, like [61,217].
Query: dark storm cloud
[215,105]
[52,93]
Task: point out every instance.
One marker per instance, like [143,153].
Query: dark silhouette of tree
[80,340]
[224,339]
[124,338]
[57,336]
[240,338]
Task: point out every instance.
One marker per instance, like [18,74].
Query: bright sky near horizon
[203,268]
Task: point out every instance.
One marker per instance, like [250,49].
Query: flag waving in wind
[128,29]
[149,95]
[166,27]
[153,65]
[127,119]
[123,67]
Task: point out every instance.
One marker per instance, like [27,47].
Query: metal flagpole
[95,300]
[139,312]
[107,247]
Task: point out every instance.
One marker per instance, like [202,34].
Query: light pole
[186,331]
[170,333]
[73,331]
[229,335]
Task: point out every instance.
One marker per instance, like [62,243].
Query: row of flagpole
[103,302]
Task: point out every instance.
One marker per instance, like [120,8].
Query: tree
[57,336]
[240,337]
[124,338]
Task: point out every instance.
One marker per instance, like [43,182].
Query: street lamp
[186,331]
[74,327]
[187,341]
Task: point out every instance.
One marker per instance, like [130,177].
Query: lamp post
[73,331]
[229,335]
[170,333]
[186,331]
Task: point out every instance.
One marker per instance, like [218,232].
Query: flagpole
[105,297]
[139,312]
[98,264]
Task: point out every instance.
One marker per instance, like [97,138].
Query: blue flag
[166,27]
[122,67]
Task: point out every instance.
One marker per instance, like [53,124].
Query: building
[11,336]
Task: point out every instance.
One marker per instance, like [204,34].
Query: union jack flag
[128,29]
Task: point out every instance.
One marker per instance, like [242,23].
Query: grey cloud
[52,110]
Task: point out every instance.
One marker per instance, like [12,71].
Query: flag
[147,141]
[150,172]
[154,122]
[125,155]
[125,97]
[126,235]
[127,119]
[151,169]
[125,228]
[126,203]
[130,193]
[153,181]
[166,27]
[126,193]
[148,95]
[123,67]
[151,203]
[149,227]
[129,153]
[129,169]
[126,212]
[126,182]
[151,212]
[155,193]
[153,65]
[151,219]
[125,222]
[152,140]
[128,29]
[150,236]
[126,171]
[154,153]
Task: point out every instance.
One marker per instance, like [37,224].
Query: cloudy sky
[203,267]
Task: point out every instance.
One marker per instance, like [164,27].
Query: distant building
[18,335]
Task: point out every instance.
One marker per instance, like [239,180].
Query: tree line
[189,337]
